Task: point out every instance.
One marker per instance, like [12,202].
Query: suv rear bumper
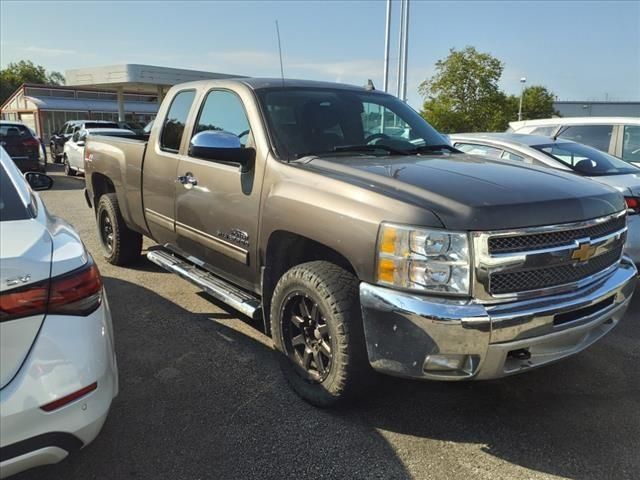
[415,336]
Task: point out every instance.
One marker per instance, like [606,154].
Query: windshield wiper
[435,148]
[356,149]
[370,148]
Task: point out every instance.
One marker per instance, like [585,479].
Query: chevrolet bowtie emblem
[584,252]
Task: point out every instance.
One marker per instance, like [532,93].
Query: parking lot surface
[201,397]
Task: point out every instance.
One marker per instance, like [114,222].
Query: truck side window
[223,110]
[173,125]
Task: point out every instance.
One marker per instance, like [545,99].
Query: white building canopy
[136,78]
[73,104]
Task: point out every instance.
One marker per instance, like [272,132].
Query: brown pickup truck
[363,240]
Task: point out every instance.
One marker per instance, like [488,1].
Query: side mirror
[221,146]
[39,181]
[80,143]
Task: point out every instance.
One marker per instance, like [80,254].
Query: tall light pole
[400,50]
[387,38]
[405,50]
[523,80]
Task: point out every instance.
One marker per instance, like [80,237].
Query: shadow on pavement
[199,399]
[63,182]
[202,397]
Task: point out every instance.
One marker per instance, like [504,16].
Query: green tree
[25,71]
[537,102]
[463,95]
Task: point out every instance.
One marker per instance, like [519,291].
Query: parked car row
[60,137]
[619,136]
[355,250]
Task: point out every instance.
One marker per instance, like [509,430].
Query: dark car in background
[60,137]
[23,146]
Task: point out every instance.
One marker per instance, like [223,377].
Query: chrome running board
[214,286]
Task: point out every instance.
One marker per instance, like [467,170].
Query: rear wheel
[67,168]
[317,326]
[120,244]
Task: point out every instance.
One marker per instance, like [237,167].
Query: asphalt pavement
[201,397]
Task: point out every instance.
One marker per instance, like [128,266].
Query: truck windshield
[586,160]
[308,121]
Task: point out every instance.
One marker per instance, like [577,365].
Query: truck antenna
[280,52]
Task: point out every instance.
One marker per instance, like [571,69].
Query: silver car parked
[565,155]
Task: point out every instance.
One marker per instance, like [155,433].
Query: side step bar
[214,286]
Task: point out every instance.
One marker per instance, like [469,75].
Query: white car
[618,136]
[73,154]
[58,373]
[569,156]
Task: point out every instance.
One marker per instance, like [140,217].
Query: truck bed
[120,160]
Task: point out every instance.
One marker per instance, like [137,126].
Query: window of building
[173,126]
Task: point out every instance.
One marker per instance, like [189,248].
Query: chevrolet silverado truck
[337,218]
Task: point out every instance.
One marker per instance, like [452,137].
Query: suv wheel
[317,328]
[120,244]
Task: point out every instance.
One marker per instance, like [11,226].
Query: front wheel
[317,327]
[120,244]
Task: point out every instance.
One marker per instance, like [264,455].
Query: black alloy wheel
[106,231]
[306,337]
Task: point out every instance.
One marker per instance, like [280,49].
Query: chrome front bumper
[415,336]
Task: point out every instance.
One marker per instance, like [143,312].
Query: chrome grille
[537,241]
[522,281]
[545,260]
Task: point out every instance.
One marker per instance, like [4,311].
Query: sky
[579,50]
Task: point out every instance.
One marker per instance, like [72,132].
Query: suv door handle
[188,180]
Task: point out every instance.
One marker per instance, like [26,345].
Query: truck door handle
[188,180]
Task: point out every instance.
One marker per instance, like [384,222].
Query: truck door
[161,166]
[217,208]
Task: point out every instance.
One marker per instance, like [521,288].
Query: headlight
[423,259]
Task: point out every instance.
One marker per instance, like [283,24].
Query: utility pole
[523,80]
[387,41]
[400,51]
[405,50]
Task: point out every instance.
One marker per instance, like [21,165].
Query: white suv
[58,371]
[619,136]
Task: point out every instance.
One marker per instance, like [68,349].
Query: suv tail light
[75,293]
[633,205]
[31,142]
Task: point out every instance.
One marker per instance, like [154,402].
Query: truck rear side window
[173,126]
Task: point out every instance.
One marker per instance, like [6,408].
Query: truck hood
[468,192]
